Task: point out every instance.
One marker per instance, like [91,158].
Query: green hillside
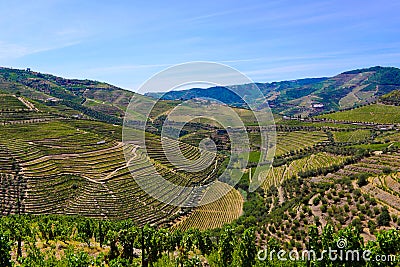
[70,194]
[309,96]
[378,113]
[392,98]
[91,98]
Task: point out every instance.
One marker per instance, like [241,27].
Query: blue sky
[126,42]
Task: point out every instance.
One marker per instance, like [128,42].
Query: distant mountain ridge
[310,95]
[296,97]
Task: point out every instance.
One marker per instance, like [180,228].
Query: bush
[324,207]
[80,259]
[371,226]
[362,179]
[384,217]
[316,201]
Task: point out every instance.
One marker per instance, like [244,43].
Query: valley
[66,173]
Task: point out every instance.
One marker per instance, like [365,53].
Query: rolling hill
[53,164]
[392,98]
[64,173]
[308,96]
[297,97]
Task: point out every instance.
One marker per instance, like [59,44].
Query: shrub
[384,217]
[316,201]
[362,179]
[324,207]
[387,170]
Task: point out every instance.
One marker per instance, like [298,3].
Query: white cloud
[13,51]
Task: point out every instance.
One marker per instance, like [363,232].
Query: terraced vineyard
[351,136]
[276,175]
[385,188]
[156,152]
[11,103]
[393,136]
[78,168]
[67,170]
[377,113]
[215,214]
[66,153]
[297,140]
[19,110]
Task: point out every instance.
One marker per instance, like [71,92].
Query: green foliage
[226,246]
[386,76]
[387,170]
[377,113]
[392,98]
[352,136]
[77,259]
[5,248]
[229,246]
[362,179]
[92,113]
[389,241]
[246,250]
[384,217]
[85,231]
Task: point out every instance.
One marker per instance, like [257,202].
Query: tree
[152,246]
[204,242]
[362,179]
[357,224]
[384,217]
[186,244]
[18,229]
[387,170]
[100,233]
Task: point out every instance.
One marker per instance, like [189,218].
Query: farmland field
[8,102]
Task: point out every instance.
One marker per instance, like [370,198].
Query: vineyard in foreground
[83,242]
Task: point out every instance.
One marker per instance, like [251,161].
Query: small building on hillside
[318,105]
